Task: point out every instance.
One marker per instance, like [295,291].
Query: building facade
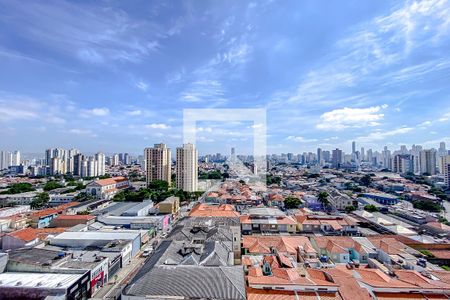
[187,168]
[158,163]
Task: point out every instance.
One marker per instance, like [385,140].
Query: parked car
[147,251]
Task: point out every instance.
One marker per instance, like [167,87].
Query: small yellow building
[170,205]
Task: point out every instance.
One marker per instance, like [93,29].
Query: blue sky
[115,76]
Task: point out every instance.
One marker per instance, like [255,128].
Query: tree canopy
[52,185]
[292,202]
[40,201]
[18,188]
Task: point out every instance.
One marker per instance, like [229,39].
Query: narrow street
[114,287]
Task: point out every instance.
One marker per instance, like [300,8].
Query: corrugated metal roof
[41,280]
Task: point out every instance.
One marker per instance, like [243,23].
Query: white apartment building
[427,160]
[158,163]
[446,169]
[187,168]
[5,159]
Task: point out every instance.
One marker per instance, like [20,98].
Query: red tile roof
[75,217]
[205,210]
[110,181]
[30,234]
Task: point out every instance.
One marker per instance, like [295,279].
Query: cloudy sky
[115,76]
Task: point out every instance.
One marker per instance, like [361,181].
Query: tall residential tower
[187,168]
[158,163]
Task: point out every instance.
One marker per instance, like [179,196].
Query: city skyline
[116,77]
[346,149]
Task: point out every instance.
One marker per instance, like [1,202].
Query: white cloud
[92,33]
[157,126]
[98,112]
[445,117]
[206,90]
[300,139]
[83,132]
[204,129]
[425,124]
[134,113]
[343,118]
[142,85]
[379,135]
[257,126]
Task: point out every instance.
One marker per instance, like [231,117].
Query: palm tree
[323,198]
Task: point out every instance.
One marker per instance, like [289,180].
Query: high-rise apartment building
[319,156]
[158,163]
[78,164]
[403,163]
[5,159]
[15,161]
[100,161]
[115,160]
[427,161]
[336,158]
[446,171]
[387,162]
[326,156]
[187,168]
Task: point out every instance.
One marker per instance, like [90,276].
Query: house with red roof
[107,188]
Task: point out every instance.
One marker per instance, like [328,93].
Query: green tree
[40,201]
[323,198]
[350,208]
[51,185]
[371,208]
[427,205]
[83,196]
[18,188]
[158,185]
[119,197]
[292,202]
[366,180]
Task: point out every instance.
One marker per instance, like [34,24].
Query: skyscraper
[446,170]
[353,147]
[387,162]
[403,163]
[233,154]
[336,158]
[100,160]
[187,168]
[5,159]
[319,156]
[442,149]
[16,158]
[428,161]
[158,163]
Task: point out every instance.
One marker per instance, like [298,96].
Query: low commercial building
[24,285]
[139,209]
[99,239]
[27,237]
[19,199]
[170,205]
[382,198]
[166,275]
[58,199]
[72,220]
